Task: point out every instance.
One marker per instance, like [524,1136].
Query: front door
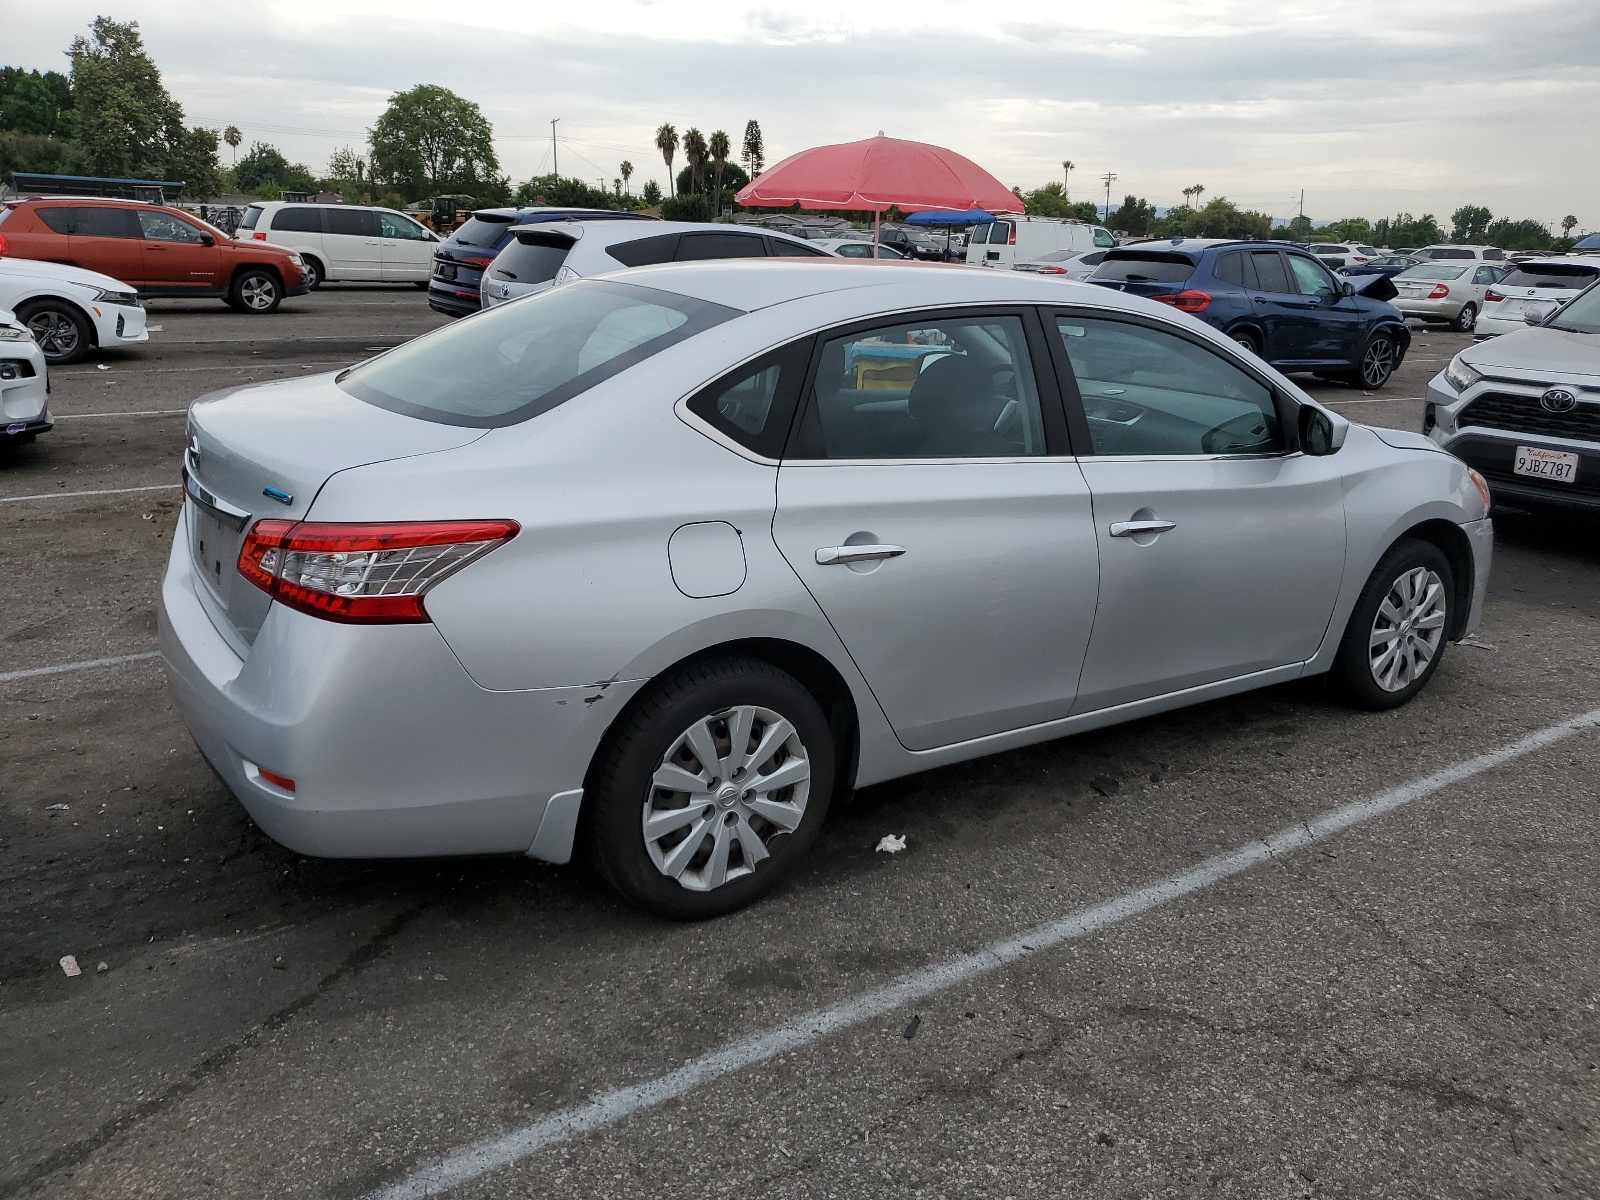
[1221,547]
[407,248]
[350,240]
[929,508]
[1332,326]
[176,254]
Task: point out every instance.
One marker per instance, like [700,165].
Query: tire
[1248,341]
[1413,581]
[667,876]
[316,275]
[63,333]
[1465,319]
[256,291]
[420,284]
[1377,362]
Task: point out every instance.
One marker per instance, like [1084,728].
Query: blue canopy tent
[951,221]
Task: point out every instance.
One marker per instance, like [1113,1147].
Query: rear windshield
[481,231]
[534,260]
[1442,271]
[251,216]
[1551,275]
[511,363]
[1437,254]
[1144,266]
[1000,233]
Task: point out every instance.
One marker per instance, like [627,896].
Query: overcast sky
[1370,106]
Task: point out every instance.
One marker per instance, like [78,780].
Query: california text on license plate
[1545,464]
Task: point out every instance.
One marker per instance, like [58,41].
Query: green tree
[345,166]
[193,159]
[35,103]
[563,193]
[651,193]
[35,153]
[264,164]
[430,141]
[718,148]
[1051,201]
[626,171]
[233,137]
[753,154]
[1567,225]
[691,207]
[1469,222]
[695,152]
[667,143]
[1518,235]
[1405,230]
[1221,218]
[733,178]
[1136,216]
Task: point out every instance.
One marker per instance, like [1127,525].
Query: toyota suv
[160,251]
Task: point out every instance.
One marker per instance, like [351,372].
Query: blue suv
[1277,301]
[460,261]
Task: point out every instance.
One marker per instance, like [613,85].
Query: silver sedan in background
[660,564]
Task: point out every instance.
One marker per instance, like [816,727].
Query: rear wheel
[711,790]
[255,291]
[62,332]
[1465,319]
[1248,341]
[1396,635]
[315,274]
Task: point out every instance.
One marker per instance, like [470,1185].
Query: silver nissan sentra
[662,562]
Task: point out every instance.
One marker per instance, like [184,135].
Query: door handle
[1134,528]
[1261,299]
[829,556]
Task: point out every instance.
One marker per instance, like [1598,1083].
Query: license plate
[210,546]
[445,271]
[1545,464]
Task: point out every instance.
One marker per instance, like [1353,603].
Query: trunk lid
[263,452]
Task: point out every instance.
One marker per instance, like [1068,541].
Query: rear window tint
[251,216]
[1551,275]
[1143,266]
[511,363]
[645,251]
[57,220]
[697,246]
[482,231]
[352,222]
[298,220]
[106,222]
[1442,254]
[784,248]
[532,258]
[754,404]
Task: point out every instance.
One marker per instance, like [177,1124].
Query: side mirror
[1320,433]
[1346,288]
[207,239]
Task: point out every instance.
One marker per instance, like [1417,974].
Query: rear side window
[353,222]
[645,251]
[1271,275]
[755,404]
[1144,266]
[697,246]
[57,220]
[1551,275]
[1494,255]
[784,248]
[306,219]
[251,216]
[532,258]
[106,222]
[511,363]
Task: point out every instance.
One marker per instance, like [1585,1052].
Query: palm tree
[694,152]
[1188,196]
[627,173]
[719,156]
[1567,223]
[1199,190]
[233,137]
[1066,177]
[667,143]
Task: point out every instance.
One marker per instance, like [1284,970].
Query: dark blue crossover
[462,258]
[1277,300]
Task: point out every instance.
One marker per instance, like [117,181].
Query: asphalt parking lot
[1404,1007]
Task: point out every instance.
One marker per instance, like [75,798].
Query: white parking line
[610,1107]
[63,668]
[148,412]
[154,487]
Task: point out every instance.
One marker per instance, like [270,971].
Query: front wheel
[1377,362]
[62,332]
[1396,635]
[1465,319]
[711,790]
[255,291]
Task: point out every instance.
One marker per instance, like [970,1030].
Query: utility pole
[555,162]
[1302,204]
[1108,178]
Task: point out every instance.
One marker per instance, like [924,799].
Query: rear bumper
[453,301]
[394,751]
[1430,310]
[27,430]
[1489,326]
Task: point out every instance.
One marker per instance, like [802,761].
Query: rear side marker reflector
[276,780]
[363,573]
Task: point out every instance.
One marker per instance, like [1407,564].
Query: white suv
[345,242]
[1456,253]
[540,256]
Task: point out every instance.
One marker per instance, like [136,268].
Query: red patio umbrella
[879,174]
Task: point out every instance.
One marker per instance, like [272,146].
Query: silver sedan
[660,565]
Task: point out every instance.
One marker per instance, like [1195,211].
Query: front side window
[393,225]
[1148,392]
[1485,275]
[958,387]
[754,404]
[298,218]
[1581,315]
[1103,238]
[513,362]
[158,226]
[855,250]
[1310,278]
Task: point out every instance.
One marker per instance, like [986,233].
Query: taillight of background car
[1190,300]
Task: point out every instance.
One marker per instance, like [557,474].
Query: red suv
[160,251]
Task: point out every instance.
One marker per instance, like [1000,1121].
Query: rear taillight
[365,574]
[1190,300]
[258,236]
[2,245]
[1439,292]
[477,262]
[1011,238]
[1052,270]
[1492,296]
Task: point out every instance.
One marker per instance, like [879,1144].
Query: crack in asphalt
[78,1152]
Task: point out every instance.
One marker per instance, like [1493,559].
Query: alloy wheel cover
[54,332]
[1407,630]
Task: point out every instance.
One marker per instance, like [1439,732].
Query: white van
[345,241]
[1011,240]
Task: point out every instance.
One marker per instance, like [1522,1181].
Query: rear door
[106,239]
[176,254]
[350,240]
[1279,307]
[929,504]
[1221,548]
[406,247]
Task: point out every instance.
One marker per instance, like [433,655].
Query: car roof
[609,233]
[1559,260]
